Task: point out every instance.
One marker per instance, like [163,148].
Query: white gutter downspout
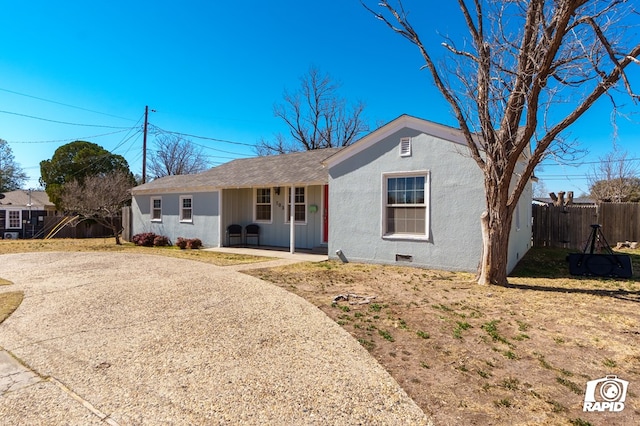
[292,221]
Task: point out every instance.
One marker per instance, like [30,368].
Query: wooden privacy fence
[570,226]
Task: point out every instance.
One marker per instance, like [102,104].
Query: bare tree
[11,175]
[100,198]
[540,189]
[176,156]
[317,117]
[526,72]
[615,178]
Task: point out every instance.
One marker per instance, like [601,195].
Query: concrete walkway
[128,339]
[280,257]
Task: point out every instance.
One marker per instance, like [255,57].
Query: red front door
[325,215]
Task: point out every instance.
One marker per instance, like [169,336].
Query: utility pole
[144,144]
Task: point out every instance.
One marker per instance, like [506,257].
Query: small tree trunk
[495,247]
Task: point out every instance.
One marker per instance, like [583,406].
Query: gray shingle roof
[298,168]
[20,197]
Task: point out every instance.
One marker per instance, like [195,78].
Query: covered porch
[289,218]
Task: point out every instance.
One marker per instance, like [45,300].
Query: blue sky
[215,69]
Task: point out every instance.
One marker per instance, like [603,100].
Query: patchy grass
[9,302]
[470,354]
[108,245]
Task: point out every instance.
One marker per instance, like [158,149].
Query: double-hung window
[262,209]
[300,205]
[186,208]
[406,205]
[156,209]
[14,219]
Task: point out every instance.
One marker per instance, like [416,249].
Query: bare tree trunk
[496,226]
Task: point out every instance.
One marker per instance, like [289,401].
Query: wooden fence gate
[570,226]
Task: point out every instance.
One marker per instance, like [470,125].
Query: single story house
[406,193]
[23,212]
[241,192]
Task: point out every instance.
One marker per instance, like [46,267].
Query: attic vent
[405,147]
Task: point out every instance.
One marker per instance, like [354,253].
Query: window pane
[186,214]
[391,184]
[406,220]
[263,212]
[186,202]
[263,195]
[156,204]
[410,183]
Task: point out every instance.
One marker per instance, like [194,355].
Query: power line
[63,104]
[158,130]
[203,137]
[582,163]
[71,139]
[62,122]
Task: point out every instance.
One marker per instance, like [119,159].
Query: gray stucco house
[407,193]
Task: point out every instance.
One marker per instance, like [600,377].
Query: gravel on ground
[126,339]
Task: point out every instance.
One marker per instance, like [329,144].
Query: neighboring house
[242,192]
[23,212]
[409,192]
[406,193]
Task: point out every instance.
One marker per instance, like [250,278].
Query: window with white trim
[14,219]
[156,209]
[300,205]
[262,208]
[406,211]
[186,208]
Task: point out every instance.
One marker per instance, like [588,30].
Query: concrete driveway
[139,339]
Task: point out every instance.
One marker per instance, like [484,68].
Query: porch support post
[220,225]
[292,221]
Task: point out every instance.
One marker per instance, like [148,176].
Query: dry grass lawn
[108,244]
[476,355]
[470,354]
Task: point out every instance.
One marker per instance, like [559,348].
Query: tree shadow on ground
[552,264]
[616,293]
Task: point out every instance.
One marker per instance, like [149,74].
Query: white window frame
[256,204]
[8,219]
[288,211]
[426,204]
[153,209]
[182,209]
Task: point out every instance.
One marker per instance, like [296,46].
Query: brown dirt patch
[475,355]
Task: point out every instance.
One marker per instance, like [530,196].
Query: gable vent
[405,147]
